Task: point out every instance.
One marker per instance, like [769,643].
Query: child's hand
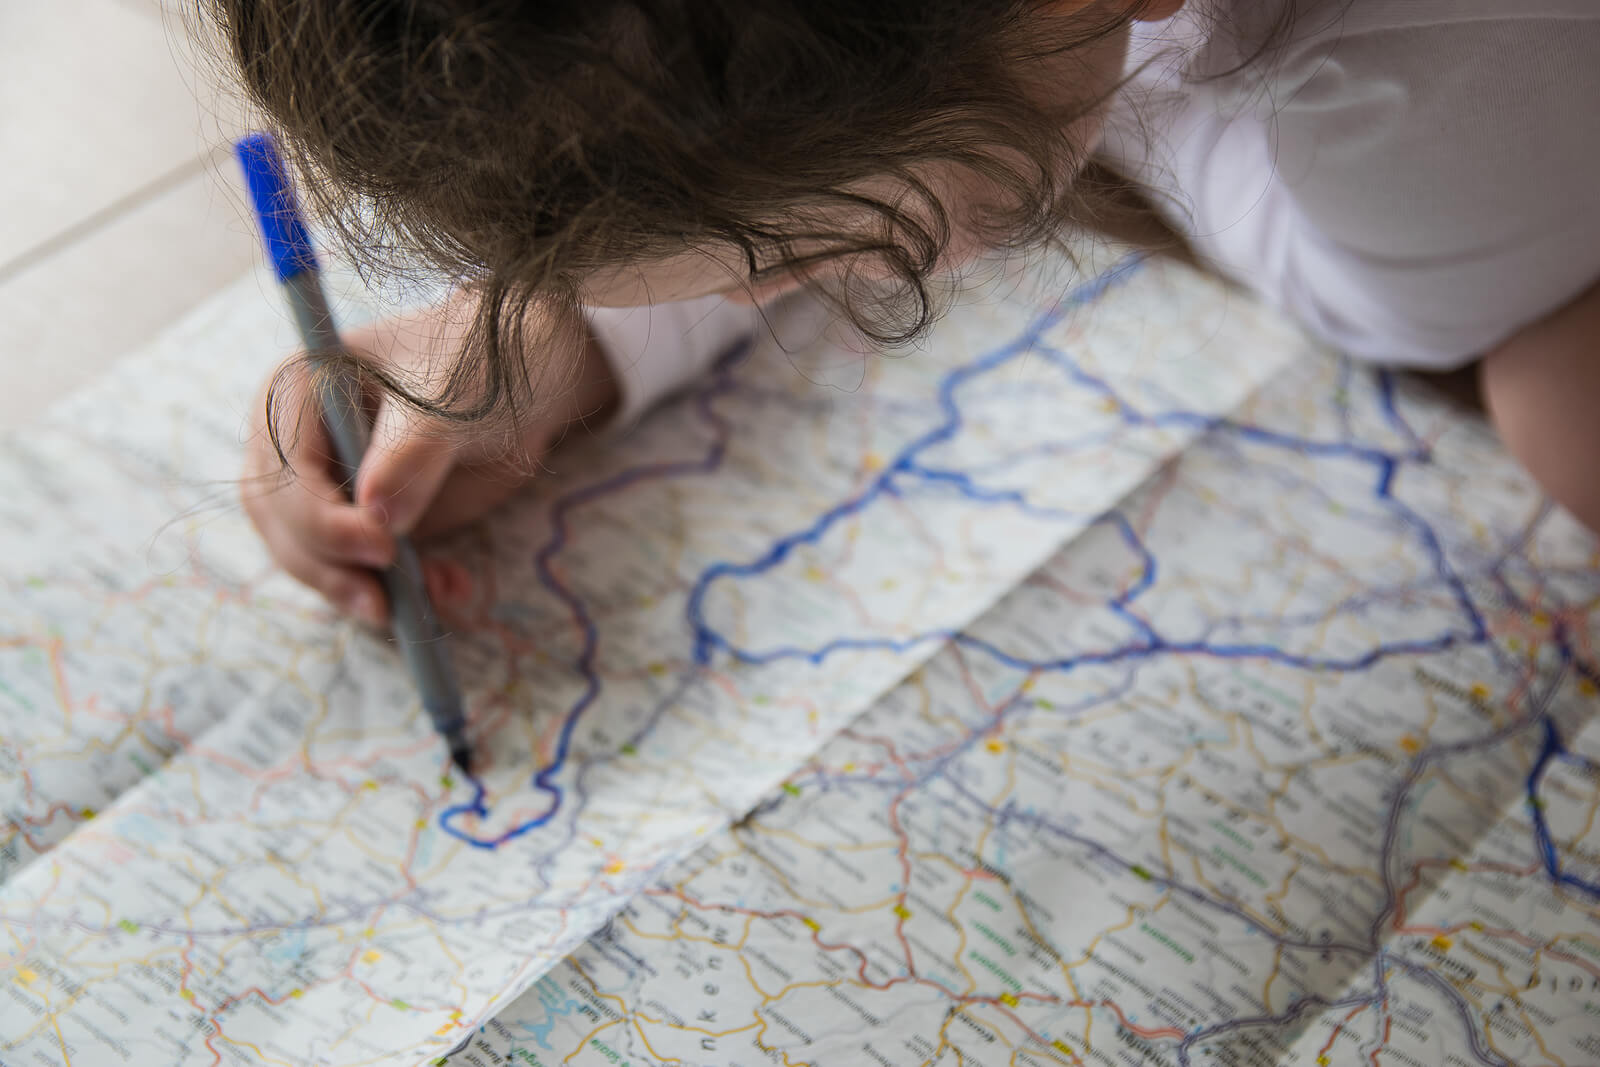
[420,476]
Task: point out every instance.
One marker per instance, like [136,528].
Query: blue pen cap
[282,230]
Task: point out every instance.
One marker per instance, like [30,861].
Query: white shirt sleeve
[1412,181]
[657,350]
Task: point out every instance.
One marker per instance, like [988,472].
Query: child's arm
[421,476]
[655,351]
[1542,387]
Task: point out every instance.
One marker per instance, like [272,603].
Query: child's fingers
[355,591]
[312,539]
[345,533]
[310,528]
[407,461]
[308,501]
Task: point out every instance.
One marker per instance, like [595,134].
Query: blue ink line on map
[707,640]
[1147,576]
[1551,751]
[962,483]
[1385,467]
[544,779]
[906,466]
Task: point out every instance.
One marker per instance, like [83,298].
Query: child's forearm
[655,351]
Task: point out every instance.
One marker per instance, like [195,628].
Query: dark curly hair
[520,146]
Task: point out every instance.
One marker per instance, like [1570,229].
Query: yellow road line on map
[637,1016]
[1088,952]
[1459,793]
[583,1042]
[646,1040]
[40,1025]
[768,1048]
[1538,1039]
[246,1044]
[751,975]
[1272,976]
[944,1037]
[820,905]
[950,914]
[961,948]
[1513,994]
[622,1005]
[289,873]
[1276,823]
[1273,899]
[1263,921]
[810,843]
[55,1022]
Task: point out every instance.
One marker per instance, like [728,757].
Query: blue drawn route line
[1385,467]
[1551,751]
[910,467]
[706,639]
[544,778]
[905,465]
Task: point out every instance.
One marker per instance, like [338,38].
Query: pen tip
[461,754]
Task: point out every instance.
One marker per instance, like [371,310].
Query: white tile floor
[119,207]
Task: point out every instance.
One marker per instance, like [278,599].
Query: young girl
[619,184]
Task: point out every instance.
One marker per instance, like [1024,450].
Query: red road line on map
[971,682]
[91,706]
[1337,1030]
[411,849]
[888,746]
[165,715]
[724,682]
[1398,922]
[1551,947]
[422,744]
[1372,1057]
[1166,1031]
[288,769]
[63,693]
[1520,691]
[854,597]
[251,991]
[1575,622]
[919,530]
[60,807]
[789,913]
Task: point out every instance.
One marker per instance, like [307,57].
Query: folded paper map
[1120,679]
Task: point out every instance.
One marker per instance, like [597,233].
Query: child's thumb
[407,461]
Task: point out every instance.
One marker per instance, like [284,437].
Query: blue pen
[288,245]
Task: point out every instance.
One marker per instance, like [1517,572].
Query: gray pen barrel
[416,627]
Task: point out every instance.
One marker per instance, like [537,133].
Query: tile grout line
[84,227]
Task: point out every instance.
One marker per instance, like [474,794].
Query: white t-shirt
[1413,180]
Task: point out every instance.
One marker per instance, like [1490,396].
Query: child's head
[633,151]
